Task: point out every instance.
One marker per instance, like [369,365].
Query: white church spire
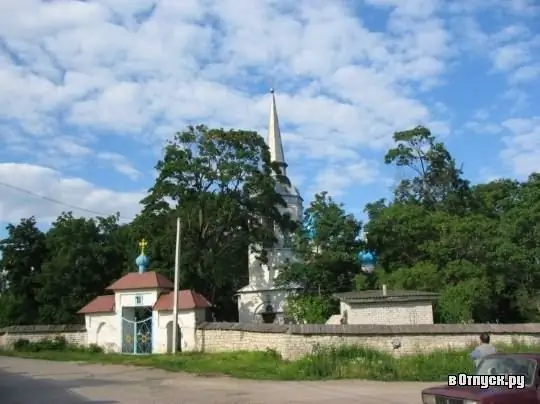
[274,137]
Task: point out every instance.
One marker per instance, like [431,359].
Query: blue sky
[90,91]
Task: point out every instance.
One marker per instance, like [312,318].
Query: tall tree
[326,260]
[23,252]
[435,177]
[223,186]
[476,246]
[85,256]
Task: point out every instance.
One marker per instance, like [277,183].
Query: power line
[52,200]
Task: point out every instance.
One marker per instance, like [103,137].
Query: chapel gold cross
[143,245]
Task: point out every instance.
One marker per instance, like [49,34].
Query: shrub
[95,348]
[55,344]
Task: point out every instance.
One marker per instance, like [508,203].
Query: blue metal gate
[137,332]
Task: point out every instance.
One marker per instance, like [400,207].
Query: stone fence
[74,333]
[294,341]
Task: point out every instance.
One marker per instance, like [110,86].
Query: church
[261,300]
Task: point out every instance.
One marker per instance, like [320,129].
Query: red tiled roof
[146,280]
[187,299]
[101,304]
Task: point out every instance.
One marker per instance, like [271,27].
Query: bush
[55,344]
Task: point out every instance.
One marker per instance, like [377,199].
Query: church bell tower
[261,296]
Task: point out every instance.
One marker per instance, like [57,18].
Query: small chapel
[136,315]
[261,300]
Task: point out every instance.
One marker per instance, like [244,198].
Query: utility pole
[176,280]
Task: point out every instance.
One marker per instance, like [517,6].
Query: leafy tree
[436,179]
[310,309]
[22,254]
[327,263]
[223,187]
[477,246]
[85,256]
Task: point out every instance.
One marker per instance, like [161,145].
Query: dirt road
[25,381]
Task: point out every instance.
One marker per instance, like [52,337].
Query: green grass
[347,362]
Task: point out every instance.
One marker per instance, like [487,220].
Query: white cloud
[522,146]
[48,185]
[80,80]
[121,164]
[337,177]
[75,75]
[509,56]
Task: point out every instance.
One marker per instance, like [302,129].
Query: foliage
[55,344]
[475,245]
[327,263]
[23,252]
[220,183]
[310,309]
[85,256]
[343,362]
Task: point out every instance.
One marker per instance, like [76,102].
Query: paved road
[26,381]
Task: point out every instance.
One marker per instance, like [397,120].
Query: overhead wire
[53,200]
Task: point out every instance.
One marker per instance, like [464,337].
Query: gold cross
[143,245]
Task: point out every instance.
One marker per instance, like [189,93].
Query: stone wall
[388,313]
[294,341]
[74,334]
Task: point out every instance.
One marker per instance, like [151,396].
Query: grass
[347,362]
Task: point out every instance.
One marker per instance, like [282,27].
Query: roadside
[44,382]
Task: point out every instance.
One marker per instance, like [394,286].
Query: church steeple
[274,137]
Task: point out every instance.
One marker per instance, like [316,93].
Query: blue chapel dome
[367,260]
[142,262]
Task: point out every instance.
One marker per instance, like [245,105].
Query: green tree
[310,309]
[22,254]
[223,187]
[85,256]
[441,235]
[435,178]
[324,264]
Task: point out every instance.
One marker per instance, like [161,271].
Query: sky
[90,91]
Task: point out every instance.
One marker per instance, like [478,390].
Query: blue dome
[367,261]
[142,262]
[367,257]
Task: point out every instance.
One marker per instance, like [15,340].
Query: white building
[384,307]
[261,294]
[137,317]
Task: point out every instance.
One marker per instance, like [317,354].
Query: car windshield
[508,365]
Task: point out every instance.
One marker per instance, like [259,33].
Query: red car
[499,379]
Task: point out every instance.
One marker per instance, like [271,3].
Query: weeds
[344,362]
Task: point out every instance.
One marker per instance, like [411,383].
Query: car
[500,378]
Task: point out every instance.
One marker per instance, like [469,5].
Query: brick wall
[74,334]
[294,341]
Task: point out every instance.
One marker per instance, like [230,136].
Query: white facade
[110,320]
[261,290]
